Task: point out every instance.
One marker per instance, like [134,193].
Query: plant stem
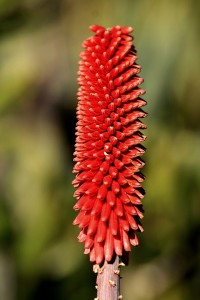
[108,280]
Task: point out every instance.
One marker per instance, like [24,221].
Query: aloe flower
[107,153]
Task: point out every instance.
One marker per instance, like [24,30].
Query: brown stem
[108,280]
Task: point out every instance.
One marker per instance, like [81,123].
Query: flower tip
[96,28]
[126,29]
[99,259]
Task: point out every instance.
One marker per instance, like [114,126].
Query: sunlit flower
[107,150]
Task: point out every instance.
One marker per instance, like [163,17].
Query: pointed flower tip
[96,28]
[107,151]
[127,29]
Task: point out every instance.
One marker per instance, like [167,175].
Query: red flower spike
[107,150]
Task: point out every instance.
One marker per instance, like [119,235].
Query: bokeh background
[40,42]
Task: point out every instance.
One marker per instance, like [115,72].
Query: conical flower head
[107,149]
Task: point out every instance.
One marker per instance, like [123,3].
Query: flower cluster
[107,150]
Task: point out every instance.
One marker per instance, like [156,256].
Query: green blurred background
[40,42]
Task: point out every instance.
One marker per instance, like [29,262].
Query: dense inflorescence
[107,149]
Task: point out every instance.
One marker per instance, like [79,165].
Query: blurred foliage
[40,41]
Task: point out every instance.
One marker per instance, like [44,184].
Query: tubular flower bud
[108,146]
